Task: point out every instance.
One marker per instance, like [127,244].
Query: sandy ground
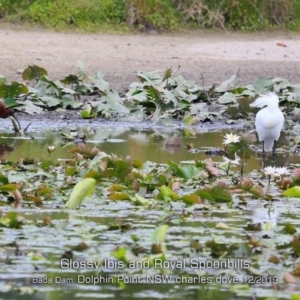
[216,55]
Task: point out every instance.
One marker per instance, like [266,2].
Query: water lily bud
[222,184]
[79,157]
[128,159]
[175,186]
[69,180]
[136,185]
[246,183]
[50,149]
[94,151]
[296,175]
[285,182]
[203,175]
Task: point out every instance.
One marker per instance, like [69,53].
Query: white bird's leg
[263,154]
[273,152]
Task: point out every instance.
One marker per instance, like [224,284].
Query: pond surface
[34,270]
[160,144]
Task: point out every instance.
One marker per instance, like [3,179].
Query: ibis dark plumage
[7,112]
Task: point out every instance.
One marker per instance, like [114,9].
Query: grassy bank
[160,15]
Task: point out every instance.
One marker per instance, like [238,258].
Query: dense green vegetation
[153,14]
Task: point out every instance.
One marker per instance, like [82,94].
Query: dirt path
[216,55]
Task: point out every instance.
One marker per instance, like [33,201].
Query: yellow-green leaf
[71,171]
[137,164]
[117,188]
[191,199]
[81,190]
[119,196]
[292,192]
[9,187]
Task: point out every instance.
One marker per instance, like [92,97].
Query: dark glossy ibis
[8,112]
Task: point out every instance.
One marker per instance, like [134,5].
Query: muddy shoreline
[205,57]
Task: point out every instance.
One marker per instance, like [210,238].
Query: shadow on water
[159,145]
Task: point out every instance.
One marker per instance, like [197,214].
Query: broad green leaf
[292,192]
[117,188]
[220,194]
[50,101]
[227,85]
[112,104]
[227,98]
[167,194]
[10,102]
[100,83]
[119,196]
[152,78]
[262,85]
[12,90]
[9,187]
[33,72]
[139,200]
[28,107]
[71,171]
[2,79]
[3,179]
[93,174]
[289,228]
[43,191]
[204,194]
[52,87]
[71,79]
[191,199]
[69,102]
[81,190]
[184,171]
[11,220]
[137,164]
[16,177]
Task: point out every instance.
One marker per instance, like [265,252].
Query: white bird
[268,121]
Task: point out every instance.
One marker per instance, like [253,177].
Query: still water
[158,145]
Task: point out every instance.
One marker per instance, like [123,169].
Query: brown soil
[216,56]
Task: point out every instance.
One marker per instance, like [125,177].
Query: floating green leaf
[191,199]
[184,171]
[119,196]
[9,187]
[292,192]
[167,194]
